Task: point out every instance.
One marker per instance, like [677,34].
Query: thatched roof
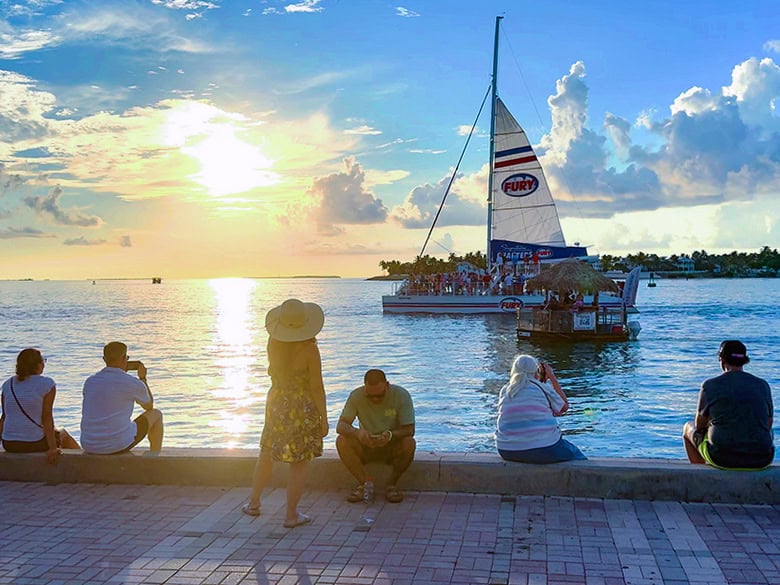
[571,274]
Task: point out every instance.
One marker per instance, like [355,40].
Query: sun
[229,164]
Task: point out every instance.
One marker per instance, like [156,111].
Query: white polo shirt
[107,410]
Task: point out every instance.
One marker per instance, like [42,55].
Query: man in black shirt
[733,425]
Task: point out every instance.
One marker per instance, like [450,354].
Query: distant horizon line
[151,278]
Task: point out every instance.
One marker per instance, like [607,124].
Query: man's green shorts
[705,453]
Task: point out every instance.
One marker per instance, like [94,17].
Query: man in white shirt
[107,427]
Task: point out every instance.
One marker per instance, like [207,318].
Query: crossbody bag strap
[19,404]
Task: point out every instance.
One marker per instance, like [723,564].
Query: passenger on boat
[733,424]
[526,429]
[578,304]
[27,422]
[385,413]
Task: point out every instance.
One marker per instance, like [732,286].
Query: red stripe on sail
[514,161]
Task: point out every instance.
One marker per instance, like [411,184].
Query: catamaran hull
[467,305]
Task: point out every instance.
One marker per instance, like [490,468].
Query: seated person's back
[107,426]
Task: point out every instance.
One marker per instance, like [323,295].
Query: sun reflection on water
[235,352]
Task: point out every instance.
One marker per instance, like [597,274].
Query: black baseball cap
[733,352]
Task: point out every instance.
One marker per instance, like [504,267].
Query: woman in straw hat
[296,418]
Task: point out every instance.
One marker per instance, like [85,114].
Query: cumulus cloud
[50,204]
[341,198]
[420,205]
[82,241]
[28,232]
[305,6]
[713,147]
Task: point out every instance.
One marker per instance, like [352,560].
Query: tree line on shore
[731,264]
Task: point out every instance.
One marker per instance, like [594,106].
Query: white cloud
[465,130]
[461,208]
[713,147]
[127,24]
[187,4]
[14,44]
[405,12]
[305,6]
[426,151]
[363,130]
[375,177]
[772,46]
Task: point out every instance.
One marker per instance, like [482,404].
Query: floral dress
[292,430]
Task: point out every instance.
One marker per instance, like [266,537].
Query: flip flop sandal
[356,495]
[393,494]
[251,510]
[299,521]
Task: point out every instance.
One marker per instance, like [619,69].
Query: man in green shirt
[386,433]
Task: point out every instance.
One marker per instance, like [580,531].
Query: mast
[493,96]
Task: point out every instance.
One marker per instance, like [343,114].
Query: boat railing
[597,319]
[447,288]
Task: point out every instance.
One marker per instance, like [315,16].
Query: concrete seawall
[643,479]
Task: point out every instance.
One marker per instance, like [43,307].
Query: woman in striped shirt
[526,429]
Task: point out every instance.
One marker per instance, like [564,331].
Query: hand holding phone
[133,365]
[542,372]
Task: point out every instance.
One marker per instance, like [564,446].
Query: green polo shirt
[396,410]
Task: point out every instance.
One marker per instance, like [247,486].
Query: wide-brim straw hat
[294,320]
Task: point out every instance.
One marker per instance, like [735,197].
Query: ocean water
[203,342]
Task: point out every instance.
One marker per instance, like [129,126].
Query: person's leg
[295,482]
[260,479]
[350,453]
[691,448]
[68,442]
[155,434]
[403,456]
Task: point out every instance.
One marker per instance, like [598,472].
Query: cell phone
[133,365]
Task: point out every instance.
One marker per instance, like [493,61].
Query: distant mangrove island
[765,262]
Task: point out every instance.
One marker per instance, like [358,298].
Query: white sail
[523,208]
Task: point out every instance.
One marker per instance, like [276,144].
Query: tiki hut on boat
[571,274]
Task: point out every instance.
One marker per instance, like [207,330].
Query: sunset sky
[196,138]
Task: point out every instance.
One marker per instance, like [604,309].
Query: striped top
[526,421]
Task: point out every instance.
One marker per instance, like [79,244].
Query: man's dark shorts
[727,460]
[141,429]
[385,454]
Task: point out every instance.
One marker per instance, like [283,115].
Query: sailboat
[523,232]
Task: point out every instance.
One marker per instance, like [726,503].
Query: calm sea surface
[204,344]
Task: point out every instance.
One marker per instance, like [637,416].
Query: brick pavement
[88,534]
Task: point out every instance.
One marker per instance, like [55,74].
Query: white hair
[522,374]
